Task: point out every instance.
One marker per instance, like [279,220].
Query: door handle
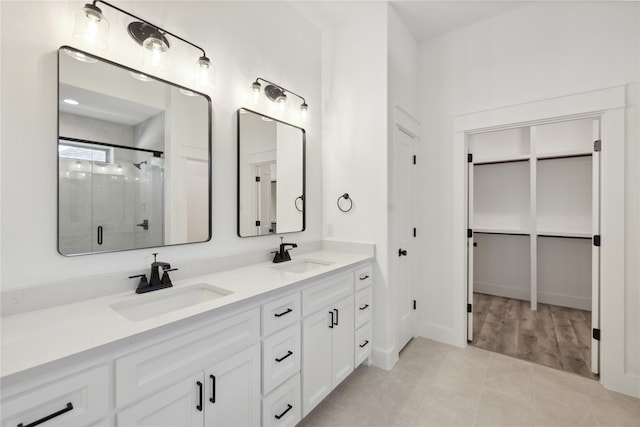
[144,224]
[337,321]
[99,234]
[332,321]
[287,311]
[285,411]
[402,252]
[68,408]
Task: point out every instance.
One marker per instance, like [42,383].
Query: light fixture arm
[204,54]
[282,88]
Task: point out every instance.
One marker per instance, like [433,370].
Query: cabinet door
[342,341]
[180,404]
[232,396]
[316,359]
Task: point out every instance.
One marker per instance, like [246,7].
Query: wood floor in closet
[554,336]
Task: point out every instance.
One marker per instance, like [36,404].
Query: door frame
[608,104]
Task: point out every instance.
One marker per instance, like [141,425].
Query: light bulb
[254,95]
[155,53]
[91,27]
[281,103]
[304,112]
[203,75]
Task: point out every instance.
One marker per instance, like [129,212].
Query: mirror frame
[58,136]
[304,174]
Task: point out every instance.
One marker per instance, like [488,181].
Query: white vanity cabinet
[281,355]
[363,314]
[207,375]
[225,394]
[76,399]
[328,336]
[264,361]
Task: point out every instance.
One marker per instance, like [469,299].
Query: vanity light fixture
[278,95]
[92,28]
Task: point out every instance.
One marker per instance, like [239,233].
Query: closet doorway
[533,243]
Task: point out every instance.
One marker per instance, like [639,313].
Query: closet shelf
[564,233]
[562,155]
[501,159]
[501,230]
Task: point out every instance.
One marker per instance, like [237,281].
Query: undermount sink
[160,302]
[301,265]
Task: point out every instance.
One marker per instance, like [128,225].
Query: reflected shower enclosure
[113,197]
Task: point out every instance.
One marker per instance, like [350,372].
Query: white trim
[384,359]
[564,106]
[608,104]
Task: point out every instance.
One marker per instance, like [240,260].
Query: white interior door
[595,254]
[403,208]
[469,250]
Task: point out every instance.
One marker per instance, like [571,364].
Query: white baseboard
[571,301]
[440,334]
[384,359]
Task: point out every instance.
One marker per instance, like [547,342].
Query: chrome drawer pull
[49,417]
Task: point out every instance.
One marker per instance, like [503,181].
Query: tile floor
[435,384]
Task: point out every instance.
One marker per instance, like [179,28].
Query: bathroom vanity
[258,345]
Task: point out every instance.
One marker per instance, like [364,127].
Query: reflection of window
[84,151]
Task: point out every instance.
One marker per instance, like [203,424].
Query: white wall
[241,41]
[402,93]
[354,157]
[543,50]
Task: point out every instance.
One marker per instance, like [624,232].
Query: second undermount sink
[301,265]
[160,302]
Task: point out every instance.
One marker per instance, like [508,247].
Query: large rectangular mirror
[271,175]
[134,158]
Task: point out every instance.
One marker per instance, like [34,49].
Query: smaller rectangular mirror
[271,175]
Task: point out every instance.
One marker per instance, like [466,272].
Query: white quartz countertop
[39,337]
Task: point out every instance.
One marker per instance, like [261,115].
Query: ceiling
[425,19]
[429,19]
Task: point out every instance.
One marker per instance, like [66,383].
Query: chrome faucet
[156,282]
[282,254]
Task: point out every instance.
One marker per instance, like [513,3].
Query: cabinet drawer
[326,293]
[363,344]
[363,306]
[280,357]
[75,400]
[165,362]
[279,313]
[363,276]
[282,406]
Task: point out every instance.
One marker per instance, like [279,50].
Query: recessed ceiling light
[70,101]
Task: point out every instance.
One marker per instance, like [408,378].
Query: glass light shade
[204,75]
[281,103]
[91,27]
[155,54]
[304,112]
[254,94]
